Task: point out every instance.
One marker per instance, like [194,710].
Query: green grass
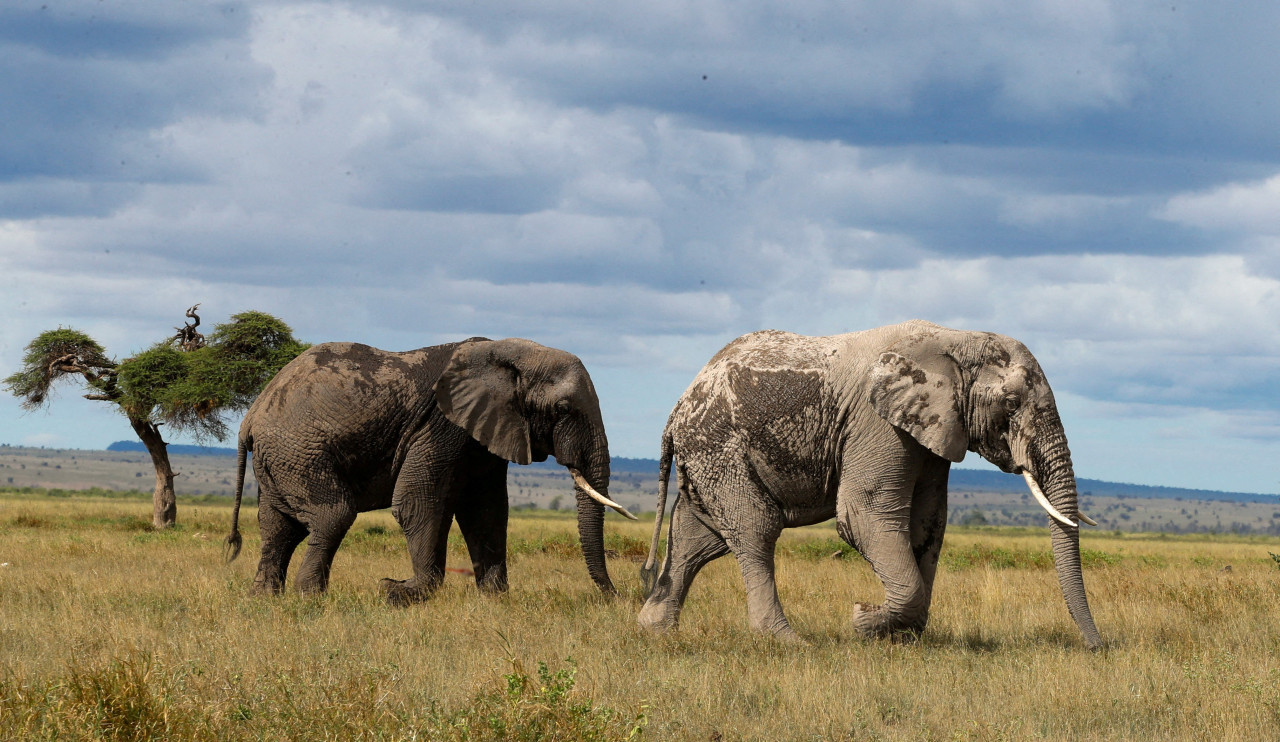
[112,631]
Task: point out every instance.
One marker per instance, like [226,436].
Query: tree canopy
[190,391]
[53,354]
[185,381]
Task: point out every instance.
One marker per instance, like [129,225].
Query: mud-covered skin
[346,428]
[781,430]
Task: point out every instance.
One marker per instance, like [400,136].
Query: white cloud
[1244,208]
[404,174]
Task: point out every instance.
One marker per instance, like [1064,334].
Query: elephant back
[346,401]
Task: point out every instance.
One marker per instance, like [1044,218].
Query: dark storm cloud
[88,29]
[1119,80]
[88,87]
[640,183]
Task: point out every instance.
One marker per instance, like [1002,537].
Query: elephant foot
[267,587]
[877,622]
[313,586]
[655,620]
[403,593]
[493,581]
[788,636]
[777,626]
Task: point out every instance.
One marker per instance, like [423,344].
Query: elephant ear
[478,393]
[921,397]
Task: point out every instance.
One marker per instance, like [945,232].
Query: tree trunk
[164,500]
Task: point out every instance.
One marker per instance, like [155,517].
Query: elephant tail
[649,572]
[231,550]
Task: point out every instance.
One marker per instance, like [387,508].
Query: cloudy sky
[639,183]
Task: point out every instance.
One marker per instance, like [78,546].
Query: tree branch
[70,364]
[188,338]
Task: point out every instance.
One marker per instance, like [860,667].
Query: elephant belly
[376,495]
[799,488]
[797,517]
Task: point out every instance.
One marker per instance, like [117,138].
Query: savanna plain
[112,631]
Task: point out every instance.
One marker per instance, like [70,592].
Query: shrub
[536,709]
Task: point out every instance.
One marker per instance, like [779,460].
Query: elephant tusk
[1086,518]
[1044,501]
[581,481]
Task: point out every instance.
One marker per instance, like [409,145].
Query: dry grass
[111,631]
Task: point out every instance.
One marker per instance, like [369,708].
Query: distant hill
[974,479]
[619,463]
[1001,482]
[177,449]
[995,481]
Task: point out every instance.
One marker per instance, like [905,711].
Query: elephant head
[525,402]
[959,391]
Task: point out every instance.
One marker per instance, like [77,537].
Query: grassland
[109,630]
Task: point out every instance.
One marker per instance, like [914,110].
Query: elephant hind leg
[756,560]
[328,527]
[692,546]
[281,535]
[752,537]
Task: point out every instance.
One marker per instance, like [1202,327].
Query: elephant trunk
[1053,471]
[591,518]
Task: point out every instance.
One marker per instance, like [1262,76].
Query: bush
[528,709]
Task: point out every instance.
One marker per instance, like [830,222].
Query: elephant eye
[1011,403]
[563,406]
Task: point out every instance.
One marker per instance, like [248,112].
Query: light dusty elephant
[346,428]
[781,430]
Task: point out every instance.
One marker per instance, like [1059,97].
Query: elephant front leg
[883,535]
[482,518]
[929,518]
[905,610]
[426,531]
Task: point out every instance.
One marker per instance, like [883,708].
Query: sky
[640,183]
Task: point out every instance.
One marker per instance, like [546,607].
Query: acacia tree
[185,381]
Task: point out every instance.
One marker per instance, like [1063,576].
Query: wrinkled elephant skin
[781,430]
[346,428]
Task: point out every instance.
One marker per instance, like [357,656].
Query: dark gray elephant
[346,428]
[780,430]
